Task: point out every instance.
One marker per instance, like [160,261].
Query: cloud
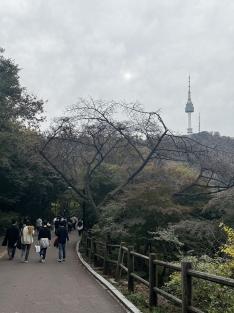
[82,48]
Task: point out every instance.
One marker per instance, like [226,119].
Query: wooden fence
[97,250]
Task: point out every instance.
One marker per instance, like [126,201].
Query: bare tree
[96,133]
[215,169]
[214,166]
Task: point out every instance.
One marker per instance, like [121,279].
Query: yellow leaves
[228,248]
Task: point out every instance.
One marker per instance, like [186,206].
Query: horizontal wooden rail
[112,261]
[113,246]
[124,268]
[99,256]
[168,265]
[125,248]
[168,296]
[101,243]
[213,278]
[142,256]
[142,280]
[192,309]
[128,254]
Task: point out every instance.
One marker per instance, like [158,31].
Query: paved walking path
[52,287]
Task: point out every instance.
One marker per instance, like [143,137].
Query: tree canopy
[27,183]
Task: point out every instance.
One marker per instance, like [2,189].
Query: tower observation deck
[189,109]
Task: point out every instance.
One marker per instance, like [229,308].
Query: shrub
[207,296]
[200,236]
[221,206]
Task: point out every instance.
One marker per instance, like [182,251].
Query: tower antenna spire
[189,109]
[189,90]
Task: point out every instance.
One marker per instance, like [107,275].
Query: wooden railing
[97,250]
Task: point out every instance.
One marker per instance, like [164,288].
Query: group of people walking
[22,237]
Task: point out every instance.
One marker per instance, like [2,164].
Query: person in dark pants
[62,235]
[44,238]
[12,236]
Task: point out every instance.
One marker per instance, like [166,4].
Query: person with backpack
[44,238]
[62,235]
[11,239]
[26,240]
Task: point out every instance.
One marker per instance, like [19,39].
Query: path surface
[52,287]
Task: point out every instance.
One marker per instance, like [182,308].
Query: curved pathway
[52,287]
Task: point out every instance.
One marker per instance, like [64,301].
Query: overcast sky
[130,50]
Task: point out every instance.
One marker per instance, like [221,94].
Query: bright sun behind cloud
[127,76]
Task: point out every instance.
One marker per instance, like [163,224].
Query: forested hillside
[215,140]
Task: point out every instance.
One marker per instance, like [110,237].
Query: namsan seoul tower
[189,109]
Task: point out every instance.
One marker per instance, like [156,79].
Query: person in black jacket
[12,236]
[62,235]
[44,238]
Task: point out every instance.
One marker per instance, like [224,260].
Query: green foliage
[15,103]
[141,209]
[199,236]
[110,222]
[5,220]
[221,207]
[105,179]
[140,301]
[194,197]
[27,184]
[188,237]
[166,240]
[67,203]
[207,296]
[146,205]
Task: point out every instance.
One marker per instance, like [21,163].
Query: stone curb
[115,292]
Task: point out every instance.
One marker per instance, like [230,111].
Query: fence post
[153,301]
[118,262]
[82,243]
[186,286]
[108,241]
[91,250]
[94,253]
[86,245]
[130,270]
[105,261]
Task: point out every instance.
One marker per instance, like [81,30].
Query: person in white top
[26,240]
